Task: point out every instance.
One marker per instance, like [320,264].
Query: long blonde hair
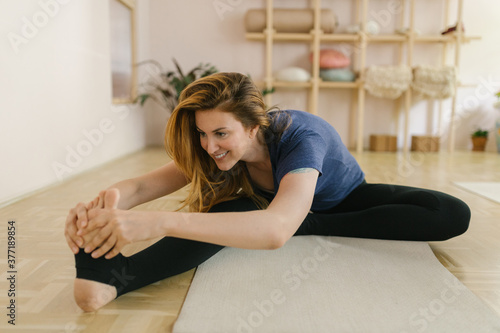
[227,92]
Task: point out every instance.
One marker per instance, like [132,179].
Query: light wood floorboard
[45,266]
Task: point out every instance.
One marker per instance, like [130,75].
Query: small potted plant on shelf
[479,139]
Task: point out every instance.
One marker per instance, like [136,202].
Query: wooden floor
[45,267]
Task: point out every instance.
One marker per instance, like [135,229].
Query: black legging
[370,211]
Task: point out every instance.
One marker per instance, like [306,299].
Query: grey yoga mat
[331,284]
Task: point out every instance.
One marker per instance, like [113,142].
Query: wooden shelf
[405,42]
[291,37]
[339,85]
[444,38]
[387,38]
[322,84]
[286,84]
[434,39]
[390,38]
[339,38]
[280,37]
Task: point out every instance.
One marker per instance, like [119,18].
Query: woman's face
[224,137]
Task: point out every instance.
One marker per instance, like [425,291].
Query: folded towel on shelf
[388,81]
[434,82]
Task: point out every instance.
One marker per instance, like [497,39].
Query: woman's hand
[78,218]
[109,229]
[117,228]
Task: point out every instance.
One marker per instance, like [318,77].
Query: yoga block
[425,143]
[383,143]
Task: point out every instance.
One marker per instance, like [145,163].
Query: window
[122,40]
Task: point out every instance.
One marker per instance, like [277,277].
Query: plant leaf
[267,91]
[143,98]
[178,67]
[193,71]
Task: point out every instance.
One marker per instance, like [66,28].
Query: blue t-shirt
[311,142]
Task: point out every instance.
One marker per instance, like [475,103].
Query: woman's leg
[392,212]
[101,280]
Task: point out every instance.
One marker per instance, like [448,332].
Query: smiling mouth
[220,156]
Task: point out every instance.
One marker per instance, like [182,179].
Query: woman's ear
[254,131]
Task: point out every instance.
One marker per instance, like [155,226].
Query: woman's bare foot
[92,295]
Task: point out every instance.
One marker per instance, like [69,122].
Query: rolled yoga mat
[330,284]
[290,20]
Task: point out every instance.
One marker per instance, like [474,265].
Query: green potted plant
[479,139]
[164,87]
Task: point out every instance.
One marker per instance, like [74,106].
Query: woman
[261,176]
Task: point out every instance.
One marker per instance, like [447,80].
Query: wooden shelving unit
[316,37]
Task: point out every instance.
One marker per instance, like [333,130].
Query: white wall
[480,68]
[56,115]
[213,31]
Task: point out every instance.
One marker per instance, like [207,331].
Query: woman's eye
[221,134]
[202,134]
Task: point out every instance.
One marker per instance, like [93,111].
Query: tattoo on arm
[302,170]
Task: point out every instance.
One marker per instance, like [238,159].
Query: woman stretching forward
[256,179]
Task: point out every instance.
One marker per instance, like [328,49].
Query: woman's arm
[153,185]
[135,191]
[260,229]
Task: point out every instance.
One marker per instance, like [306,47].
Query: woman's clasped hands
[100,228]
